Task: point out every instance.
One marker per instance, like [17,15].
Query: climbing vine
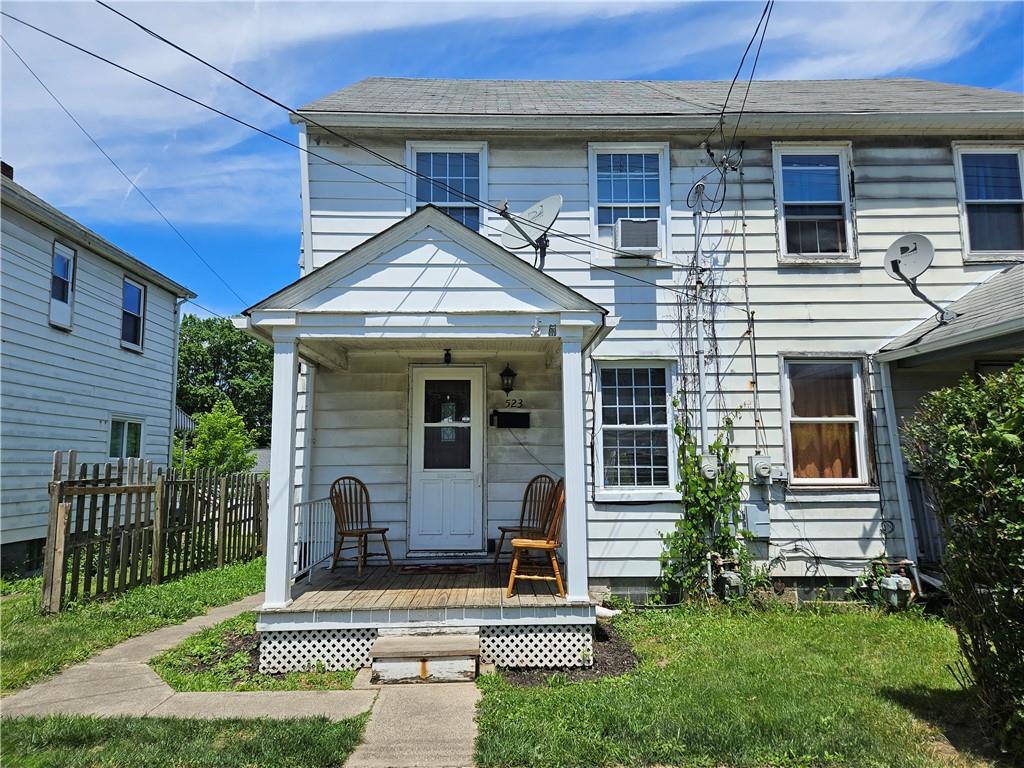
[710,521]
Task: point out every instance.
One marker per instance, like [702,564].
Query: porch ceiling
[435,347]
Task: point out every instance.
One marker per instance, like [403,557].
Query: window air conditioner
[638,237]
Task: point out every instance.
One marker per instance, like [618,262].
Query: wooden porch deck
[383,588]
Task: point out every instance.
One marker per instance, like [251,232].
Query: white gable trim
[307,287]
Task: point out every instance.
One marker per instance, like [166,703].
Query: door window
[447,430]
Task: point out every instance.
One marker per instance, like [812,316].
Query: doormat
[438,569]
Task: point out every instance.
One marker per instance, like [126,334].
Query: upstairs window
[628,187]
[133,313]
[992,199]
[635,427]
[451,178]
[814,209]
[62,277]
[125,438]
[826,422]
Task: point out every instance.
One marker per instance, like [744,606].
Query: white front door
[446,456]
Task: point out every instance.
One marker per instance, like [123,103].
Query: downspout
[899,471]
[178,302]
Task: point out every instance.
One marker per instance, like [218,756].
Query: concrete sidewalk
[119,681]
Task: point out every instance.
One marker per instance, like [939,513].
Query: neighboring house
[88,343]
[604,336]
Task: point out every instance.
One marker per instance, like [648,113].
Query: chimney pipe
[7,170]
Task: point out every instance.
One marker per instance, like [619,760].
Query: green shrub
[968,443]
[221,442]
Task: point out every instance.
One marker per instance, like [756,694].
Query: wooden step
[425,658]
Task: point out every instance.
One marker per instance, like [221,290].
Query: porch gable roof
[427,263]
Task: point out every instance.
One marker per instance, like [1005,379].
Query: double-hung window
[825,410]
[125,438]
[452,177]
[133,313]
[812,184]
[627,182]
[992,199]
[62,276]
[635,426]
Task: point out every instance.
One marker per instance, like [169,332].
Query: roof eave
[967,336]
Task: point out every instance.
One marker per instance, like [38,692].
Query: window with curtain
[993,200]
[814,203]
[62,276]
[452,177]
[826,430]
[635,427]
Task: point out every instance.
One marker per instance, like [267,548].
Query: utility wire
[120,170]
[383,158]
[331,161]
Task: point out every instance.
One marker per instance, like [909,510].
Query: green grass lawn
[34,646]
[721,687]
[77,742]
[223,658]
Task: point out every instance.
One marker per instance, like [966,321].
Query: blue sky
[235,195]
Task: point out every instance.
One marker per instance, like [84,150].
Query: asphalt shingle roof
[658,97]
[992,303]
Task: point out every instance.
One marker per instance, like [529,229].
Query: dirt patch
[613,656]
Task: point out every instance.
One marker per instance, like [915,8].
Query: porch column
[280,528]
[574,440]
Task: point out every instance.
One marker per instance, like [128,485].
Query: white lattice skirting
[538,645]
[528,645]
[331,649]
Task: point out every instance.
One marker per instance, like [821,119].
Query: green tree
[221,442]
[968,443]
[216,361]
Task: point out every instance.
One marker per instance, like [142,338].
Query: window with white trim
[125,438]
[133,313]
[627,181]
[993,199]
[813,189]
[825,411]
[635,427]
[454,181]
[62,276]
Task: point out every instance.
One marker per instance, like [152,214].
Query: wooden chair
[352,520]
[550,542]
[532,515]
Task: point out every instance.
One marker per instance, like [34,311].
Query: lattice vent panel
[296,650]
[543,645]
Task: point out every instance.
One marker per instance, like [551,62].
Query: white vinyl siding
[813,201]
[991,192]
[456,178]
[60,386]
[62,285]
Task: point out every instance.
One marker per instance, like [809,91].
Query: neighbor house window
[62,285]
[993,200]
[626,183]
[452,178]
[635,432]
[826,424]
[125,438]
[812,185]
[133,312]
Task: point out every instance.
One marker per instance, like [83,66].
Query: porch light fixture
[447,357]
[508,379]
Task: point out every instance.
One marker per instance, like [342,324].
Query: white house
[406,295]
[88,344]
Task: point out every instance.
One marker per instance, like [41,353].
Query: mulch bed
[613,656]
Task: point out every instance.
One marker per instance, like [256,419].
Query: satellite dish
[909,256]
[527,228]
[906,260]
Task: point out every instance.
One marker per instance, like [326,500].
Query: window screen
[993,200]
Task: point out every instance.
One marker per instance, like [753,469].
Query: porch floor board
[383,588]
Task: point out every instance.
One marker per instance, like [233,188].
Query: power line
[121,170]
[461,194]
[331,161]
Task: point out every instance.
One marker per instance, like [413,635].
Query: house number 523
[514,403]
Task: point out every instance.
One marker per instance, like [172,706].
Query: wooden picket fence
[116,526]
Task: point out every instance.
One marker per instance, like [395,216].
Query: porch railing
[931,543]
[314,536]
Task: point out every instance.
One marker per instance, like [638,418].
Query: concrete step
[424,658]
